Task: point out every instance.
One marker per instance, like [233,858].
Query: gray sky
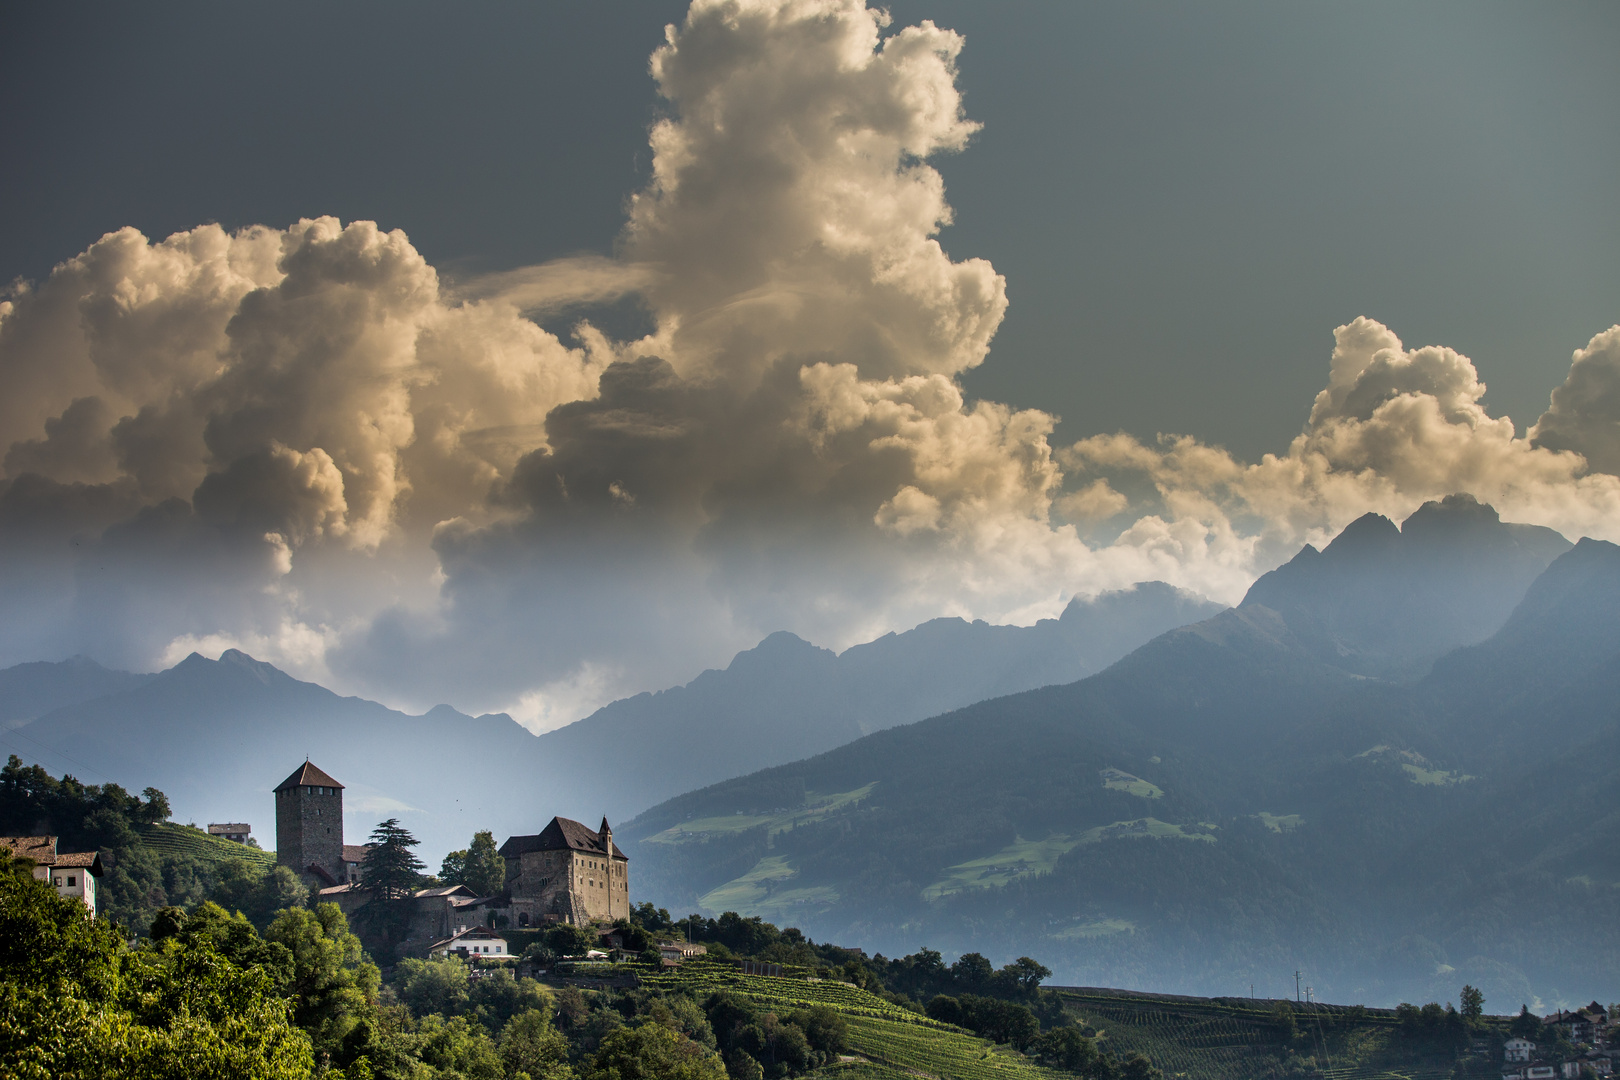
[400,467]
[1185,198]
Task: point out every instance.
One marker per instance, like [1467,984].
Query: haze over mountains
[1238,798]
[215,735]
[1393,765]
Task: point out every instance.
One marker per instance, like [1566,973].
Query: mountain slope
[214,735]
[786,699]
[28,691]
[1228,801]
[1387,601]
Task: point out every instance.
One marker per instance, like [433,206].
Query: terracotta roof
[307,775]
[562,834]
[230,827]
[42,849]
[333,889]
[355,852]
[83,860]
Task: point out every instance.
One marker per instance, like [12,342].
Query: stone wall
[309,830]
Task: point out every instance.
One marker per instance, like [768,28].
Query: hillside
[216,735]
[1222,807]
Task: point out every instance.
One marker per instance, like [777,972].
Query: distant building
[1518,1050]
[236,831]
[436,914]
[472,941]
[309,826]
[354,857]
[567,872]
[72,873]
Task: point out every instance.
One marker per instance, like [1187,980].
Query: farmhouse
[567,872]
[72,873]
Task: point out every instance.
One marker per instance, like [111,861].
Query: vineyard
[167,838]
[895,1040]
[1238,1038]
[941,1051]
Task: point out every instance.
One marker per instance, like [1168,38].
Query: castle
[309,829]
[567,872]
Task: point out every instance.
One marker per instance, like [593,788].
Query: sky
[521,357]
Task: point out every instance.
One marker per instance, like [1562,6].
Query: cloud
[302,443]
[1585,412]
[1392,429]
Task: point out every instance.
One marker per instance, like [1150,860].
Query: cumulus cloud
[301,442]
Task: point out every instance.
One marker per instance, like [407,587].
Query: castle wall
[567,886]
[309,830]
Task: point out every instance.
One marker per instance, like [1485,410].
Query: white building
[471,941]
[235,831]
[1517,1049]
[73,873]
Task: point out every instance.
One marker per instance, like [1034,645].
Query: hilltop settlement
[566,873]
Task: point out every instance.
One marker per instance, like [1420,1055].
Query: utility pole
[1296,988]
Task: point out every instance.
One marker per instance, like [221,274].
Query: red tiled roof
[307,775]
[355,853]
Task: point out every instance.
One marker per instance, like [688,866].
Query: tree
[1473,1004]
[566,939]
[332,983]
[485,872]
[1068,1049]
[391,872]
[1527,1025]
[77,1002]
[653,1052]
[529,1044]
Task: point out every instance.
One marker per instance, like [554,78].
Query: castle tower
[309,825]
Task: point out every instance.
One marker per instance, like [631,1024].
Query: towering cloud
[301,441]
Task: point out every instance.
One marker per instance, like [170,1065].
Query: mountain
[786,699]
[215,735]
[1388,601]
[1233,801]
[28,691]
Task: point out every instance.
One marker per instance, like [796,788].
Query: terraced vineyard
[940,1051]
[705,976]
[167,838]
[1237,1039]
[896,1041]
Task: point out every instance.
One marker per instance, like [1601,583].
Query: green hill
[169,838]
[894,1041]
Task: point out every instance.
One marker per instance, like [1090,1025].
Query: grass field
[1237,1039]
[1023,858]
[815,808]
[1019,859]
[760,892]
[1280,822]
[1120,780]
[168,838]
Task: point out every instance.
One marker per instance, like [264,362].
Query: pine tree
[391,873]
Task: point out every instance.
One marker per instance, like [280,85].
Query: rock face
[1387,601]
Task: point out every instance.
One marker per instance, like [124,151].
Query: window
[70,879]
[59,879]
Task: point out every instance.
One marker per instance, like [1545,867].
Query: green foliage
[566,939]
[1473,1003]
[479,867]
[77,1002]
[332,984]
[391,872]
[653,1052]
[259,893]
[1527,1025]
[529,1044]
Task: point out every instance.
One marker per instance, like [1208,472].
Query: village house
[72,873]
[567,872]
[471,941]
[237,832]
[1518,1050]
